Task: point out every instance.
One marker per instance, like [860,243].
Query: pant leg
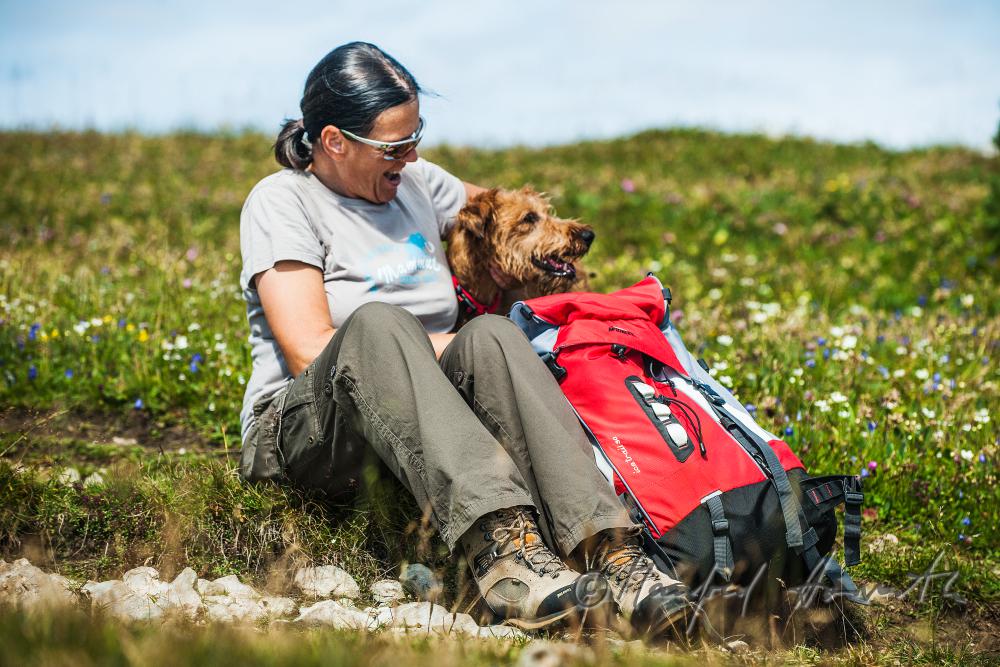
[508,387]
[377,384]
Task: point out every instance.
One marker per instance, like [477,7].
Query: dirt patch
[128,429]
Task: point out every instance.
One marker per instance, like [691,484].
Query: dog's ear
[479,212]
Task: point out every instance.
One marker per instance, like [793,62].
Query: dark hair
[348,88]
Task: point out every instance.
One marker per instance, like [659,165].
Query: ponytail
[292,149]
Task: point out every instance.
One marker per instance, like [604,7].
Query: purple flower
[880,338]
[865,473]
[627,185]
[872,465]
[121,323]
[982,458]
[32,372]
[105,270]
[966,521]
[197,358]
[945,358]
[95,338]
[750,407]
[883,371]
[68,373]
[193,367]
[191,254]
[789,430]
[961,537]
[138,405]
[937,378]
[810,363]
[872,426]
[922,300]
[187,283]
[821,341]
[826,353]
[33,331]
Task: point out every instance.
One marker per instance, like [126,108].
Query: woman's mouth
[393,177]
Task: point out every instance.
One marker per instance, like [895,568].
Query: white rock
[68,476]
[883,542]
[145,581]
[123,441]
[326,581]
[228,585]
[278,607]
[25,586]
[233,609]
[388,592]
[737,646]
[94,479]
[181,595]
[541,653]
[881,595]
[334,614]
[428,617]
[117,599]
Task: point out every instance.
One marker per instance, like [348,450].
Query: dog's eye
[530,218]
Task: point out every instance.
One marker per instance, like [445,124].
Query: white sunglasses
[391,150]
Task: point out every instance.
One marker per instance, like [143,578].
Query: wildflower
[921,373]
[138,405]
[967,454]
[883,371]
[68,373]
[898,373]
[928,413]
[725,340]
[191,254]
[95,339]
[143,335]
[872,426]
[81,326]
[982,416]
[726,380]
[821,341]
[810,363]
[197,358]
[193,367]
[922,299]
[750,407]
[121,323]
[982,458]
[826,353]
[187,283]
[864,472]
[181,342]
[968,300]
[96,321]
[848,342]
[33,331]
[844,414]
[837,397]
[194,326]
[220,347]
[627,185]
[130,327]
[880,338]
[966,521]
[822,405]
[54,334]
[32,372]
[789,430]
[872,465]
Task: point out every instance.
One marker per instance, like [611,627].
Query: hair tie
[305,139]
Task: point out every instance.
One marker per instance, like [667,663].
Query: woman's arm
[295,306]
[472,190]
[296,309]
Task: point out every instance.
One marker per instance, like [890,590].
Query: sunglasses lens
[400,151]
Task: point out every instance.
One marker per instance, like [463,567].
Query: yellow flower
[55,333]
[43,336]
[143,336]
[107,319]
[129,327]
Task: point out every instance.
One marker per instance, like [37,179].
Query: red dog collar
[473,307]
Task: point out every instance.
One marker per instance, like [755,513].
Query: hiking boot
[520,578]
[654,604]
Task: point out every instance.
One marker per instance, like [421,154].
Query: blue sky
[542,72]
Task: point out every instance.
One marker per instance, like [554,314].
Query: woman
[348,300]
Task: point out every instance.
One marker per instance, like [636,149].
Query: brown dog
[516,233]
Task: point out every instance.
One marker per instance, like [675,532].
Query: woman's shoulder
[290,181]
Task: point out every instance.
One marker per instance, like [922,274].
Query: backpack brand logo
[620,330]
[628,459]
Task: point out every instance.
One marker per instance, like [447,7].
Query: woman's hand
[295,306]
[440,341]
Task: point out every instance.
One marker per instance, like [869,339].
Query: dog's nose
[587,236]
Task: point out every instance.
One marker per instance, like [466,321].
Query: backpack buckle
[720,526]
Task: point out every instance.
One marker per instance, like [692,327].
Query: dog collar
[472,306]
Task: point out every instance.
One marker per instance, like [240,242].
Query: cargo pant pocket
[307,456]
[259,457]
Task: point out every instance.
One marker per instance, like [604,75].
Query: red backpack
[718,495]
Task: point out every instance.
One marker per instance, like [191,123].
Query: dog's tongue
[557,264]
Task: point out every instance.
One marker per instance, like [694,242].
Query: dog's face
[517,230]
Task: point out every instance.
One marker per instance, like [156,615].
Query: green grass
[847,292]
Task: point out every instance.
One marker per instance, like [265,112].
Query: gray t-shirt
[368,252]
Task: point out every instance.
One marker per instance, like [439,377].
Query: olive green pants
[485,428]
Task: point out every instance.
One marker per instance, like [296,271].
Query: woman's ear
[478,213]
[333,142]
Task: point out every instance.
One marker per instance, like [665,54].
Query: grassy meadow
[848,294]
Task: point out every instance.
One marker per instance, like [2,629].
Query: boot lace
[627,565]
[513,527]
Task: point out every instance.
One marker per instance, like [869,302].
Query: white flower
[746,281]
[898,373]
[217,336]
[837,332]
[96,321]
[930,414]
[849,342]
[721,365]
[771,308]
[81,326]
[844,414]
[194,326]
[837,397]
[726,380]
[715,294]
[982,416]
[220,347]
[166,345]
[900,350]
[797,372]
[916,311]
[181,342]
[211,406]
[181,377]
[966,427]
[968,300]
[822,405]
[921,373]
[724,340]
[758,318]
[967,454]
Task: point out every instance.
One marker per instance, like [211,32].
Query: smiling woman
[348,299]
